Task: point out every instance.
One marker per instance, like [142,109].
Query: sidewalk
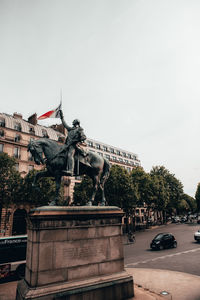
[179,285]
[148,285]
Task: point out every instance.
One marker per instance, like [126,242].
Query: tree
[10,180]
[83,191]
[42,194]
[142,184]
[120,191]
[197,197]
[173,187]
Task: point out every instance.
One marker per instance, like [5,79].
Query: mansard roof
[10,122]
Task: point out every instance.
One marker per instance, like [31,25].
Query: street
[184,258]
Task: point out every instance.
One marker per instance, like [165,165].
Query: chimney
[33,119]
[17,116]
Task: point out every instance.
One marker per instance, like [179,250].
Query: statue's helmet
[76,122]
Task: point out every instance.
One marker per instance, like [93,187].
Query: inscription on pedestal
[71,254]
[83,252]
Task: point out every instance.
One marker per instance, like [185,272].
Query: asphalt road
[184,258]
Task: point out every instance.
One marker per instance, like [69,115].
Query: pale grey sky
[129,70]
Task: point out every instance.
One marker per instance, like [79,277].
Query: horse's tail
[106,171]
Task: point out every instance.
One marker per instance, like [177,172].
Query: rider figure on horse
[74,137]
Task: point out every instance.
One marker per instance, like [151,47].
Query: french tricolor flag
[55,113]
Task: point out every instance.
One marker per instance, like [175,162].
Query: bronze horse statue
[93,165]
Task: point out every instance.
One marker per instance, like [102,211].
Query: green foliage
[120,190]
[42,194]
[160,193]
[10,180]
[83,191]
[197,197]
[172,188]
[142,184]
[190,203]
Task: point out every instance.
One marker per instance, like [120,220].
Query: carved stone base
[75,253]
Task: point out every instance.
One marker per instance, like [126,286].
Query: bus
[13,256]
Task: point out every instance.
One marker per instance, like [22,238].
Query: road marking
[161,257]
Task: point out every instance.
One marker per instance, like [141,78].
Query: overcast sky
[128,69]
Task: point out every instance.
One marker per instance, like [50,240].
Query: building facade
[15,135]
[114,155]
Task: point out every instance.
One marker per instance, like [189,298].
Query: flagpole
[61,97]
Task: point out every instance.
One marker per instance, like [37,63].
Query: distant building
[115,155]
[15,135]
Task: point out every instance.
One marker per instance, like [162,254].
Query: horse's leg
[95,180]
[58,184]
[104,177]
[40,175]
[103,199]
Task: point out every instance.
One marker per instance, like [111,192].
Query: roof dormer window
[17,126]
[44,133]
[2,122]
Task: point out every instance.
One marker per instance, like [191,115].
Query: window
[105,148]
[90,144]
[98,146]
[107,156]
[44,133]
[112,150]
[114,158]
[1,132]
[121,160]
[1,147]
[129,156]
[31,130]
[17,167]
[17,126]
[124,154]
[128,169]
[17,138]
[2,122]
[16,152]
[126,161]
[118,152]
[100,153]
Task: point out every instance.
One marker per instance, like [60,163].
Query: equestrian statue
[70,159]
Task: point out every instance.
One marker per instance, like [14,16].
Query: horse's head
[36,151]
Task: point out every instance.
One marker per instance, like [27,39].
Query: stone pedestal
[75,253]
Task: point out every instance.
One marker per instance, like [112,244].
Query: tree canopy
[120,190]
[197,197]
[10,180]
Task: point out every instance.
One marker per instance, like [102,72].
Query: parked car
[183,219]
[197,236]
[163,240]
[176,219]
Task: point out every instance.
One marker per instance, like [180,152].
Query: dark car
[163,240]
